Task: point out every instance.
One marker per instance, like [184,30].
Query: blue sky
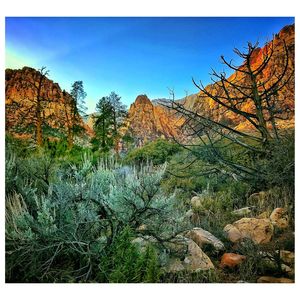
[132,56]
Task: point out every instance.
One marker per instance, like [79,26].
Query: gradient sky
[132,56]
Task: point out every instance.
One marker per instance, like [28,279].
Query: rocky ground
[251,249]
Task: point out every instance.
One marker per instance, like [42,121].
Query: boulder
[142,227]
[242,211]
[279,218]
[269,279]
[263,215]
[287,257]
[196,202]
[288,270]
[196,260]
[189,213]
[260,231]
[232,233]
[202,237]
[174,265]
[143,242]
[177,246]
[231,260]
[258,199]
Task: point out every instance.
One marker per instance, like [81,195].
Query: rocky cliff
[148,121]
[22,88]
[285,98]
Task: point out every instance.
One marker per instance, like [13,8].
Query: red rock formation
[147,122]
[285,97]
[20,97]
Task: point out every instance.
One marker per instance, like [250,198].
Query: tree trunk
[39,134]
[39,120]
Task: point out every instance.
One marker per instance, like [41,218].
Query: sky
[132,55]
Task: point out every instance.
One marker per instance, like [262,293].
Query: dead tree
[254,96]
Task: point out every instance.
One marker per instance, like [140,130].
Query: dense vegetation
[74,215]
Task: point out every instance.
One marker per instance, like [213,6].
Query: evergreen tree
[104,123]
[74,109]
[78,94]
[108,121]
[119,113]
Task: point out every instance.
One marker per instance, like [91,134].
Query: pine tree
[74,109]
[119,113]
[104,123]
[109,120]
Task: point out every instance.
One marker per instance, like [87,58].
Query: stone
[287,257]
[279,218]
[142,227]
[258,199]
[189,213]
[174,265]
[242,211]
[196,202]
[290,272]
[177,246]
[260,231]
[196,260]
[143,242]
[231,260]
[232,233]
[202,237]
[269,279]
[263,215]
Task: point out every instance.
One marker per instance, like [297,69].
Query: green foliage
[158,152]
[78,95]
[103,124]
[108,120]
[60,230]
[124,263]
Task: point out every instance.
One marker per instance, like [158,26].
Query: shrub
[81,217]
[158,152]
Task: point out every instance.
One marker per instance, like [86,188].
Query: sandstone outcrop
[20,95]
[279,218]
[260,231]
[148,121]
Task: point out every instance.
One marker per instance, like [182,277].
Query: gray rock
[202,237]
